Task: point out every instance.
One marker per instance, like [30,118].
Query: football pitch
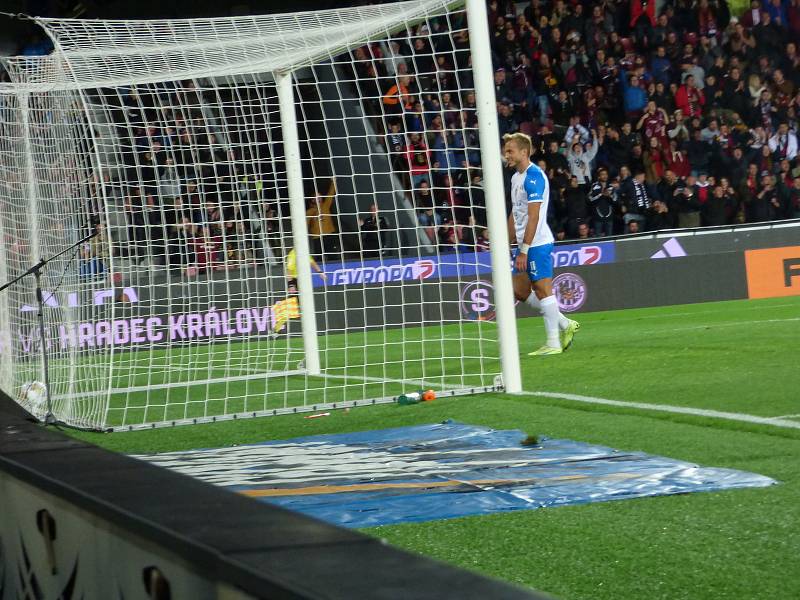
[716,384]
[266,377]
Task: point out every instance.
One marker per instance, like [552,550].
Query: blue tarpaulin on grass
[441,471]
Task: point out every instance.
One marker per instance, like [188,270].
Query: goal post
[297,208]
[294,212]
[495,200]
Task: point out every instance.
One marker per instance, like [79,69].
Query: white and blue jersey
[533,186]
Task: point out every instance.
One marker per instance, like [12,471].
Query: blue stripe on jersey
[534,184]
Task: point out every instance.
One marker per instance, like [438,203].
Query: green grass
[164,384]
[729,356]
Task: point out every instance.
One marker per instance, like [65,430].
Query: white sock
[550,312]
[533,301]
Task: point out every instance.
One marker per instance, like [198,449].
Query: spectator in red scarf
[654,161]
[677,161]
[689,98]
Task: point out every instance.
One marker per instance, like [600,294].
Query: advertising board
[773,272]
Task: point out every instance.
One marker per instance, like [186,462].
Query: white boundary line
[683,410]
[711,325]
[726,324]
[692,313]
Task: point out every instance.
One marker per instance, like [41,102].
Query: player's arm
[512,231]
[317,268]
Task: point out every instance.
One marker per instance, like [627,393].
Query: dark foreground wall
[77,521]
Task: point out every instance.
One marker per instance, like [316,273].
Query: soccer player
[533,261]
[291,271]
[287,309]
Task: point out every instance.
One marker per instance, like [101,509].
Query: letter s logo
[480,300]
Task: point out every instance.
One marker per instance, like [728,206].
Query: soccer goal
[293,212]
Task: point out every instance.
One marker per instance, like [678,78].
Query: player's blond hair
[522,140]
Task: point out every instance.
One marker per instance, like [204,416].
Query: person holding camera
[687,204]
[603,200]
[767,204]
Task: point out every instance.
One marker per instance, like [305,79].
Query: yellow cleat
[566,335]
[545,351]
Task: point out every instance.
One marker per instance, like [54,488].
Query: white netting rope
[184,310]
[93,53]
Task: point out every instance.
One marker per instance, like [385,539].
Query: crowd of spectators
[644,115]
[184,198]
[647,120]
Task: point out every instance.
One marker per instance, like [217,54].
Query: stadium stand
[694,114]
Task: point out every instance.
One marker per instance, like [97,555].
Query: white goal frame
[94,54]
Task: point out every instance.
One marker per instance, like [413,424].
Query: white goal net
[290,213]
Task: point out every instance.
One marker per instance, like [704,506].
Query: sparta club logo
[570,291]
[477,301]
